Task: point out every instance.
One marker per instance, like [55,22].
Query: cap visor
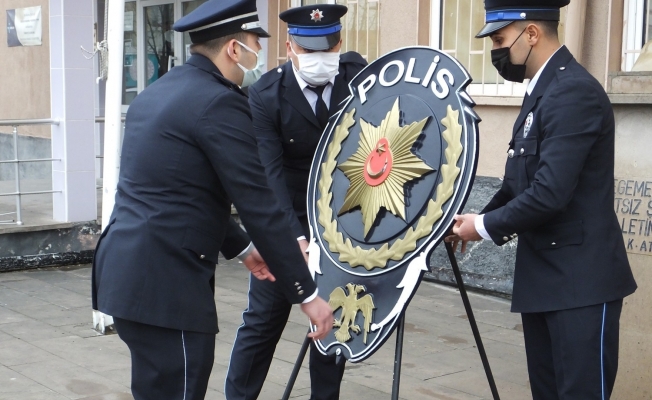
[260,32]
[492,27]
[316,43]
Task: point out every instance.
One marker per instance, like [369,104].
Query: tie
[321,111]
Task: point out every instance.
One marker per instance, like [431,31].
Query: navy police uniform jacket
[557,195]
[188,152]
[288,132]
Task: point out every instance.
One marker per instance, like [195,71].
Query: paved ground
[49,351]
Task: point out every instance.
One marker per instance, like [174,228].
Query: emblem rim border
[417,258]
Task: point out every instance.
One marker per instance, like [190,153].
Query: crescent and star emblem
[382,166]
[379,163]
[316,15]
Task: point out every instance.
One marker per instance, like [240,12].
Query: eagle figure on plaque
[392,169]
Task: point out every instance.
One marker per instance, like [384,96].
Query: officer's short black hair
[550,28]
[214,46]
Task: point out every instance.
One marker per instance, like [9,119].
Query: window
[458,22]
[637,31]
[360,28]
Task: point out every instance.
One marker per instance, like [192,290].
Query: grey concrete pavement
[49,351]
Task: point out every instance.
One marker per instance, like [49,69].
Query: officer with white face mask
[290,107]
[251,75]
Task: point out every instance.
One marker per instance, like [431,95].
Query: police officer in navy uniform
[290,106]
[557,197]
[189,151]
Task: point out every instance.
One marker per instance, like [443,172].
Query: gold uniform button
[300,292]
[291,140]
[296,283]
[202,256]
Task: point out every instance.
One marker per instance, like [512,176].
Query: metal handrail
[100,120]
[15,123]
[30,160]
[18,122]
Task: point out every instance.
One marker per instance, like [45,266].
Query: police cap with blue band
[218,18]
[500,13]
[316,27]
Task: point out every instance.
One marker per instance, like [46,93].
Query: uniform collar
[533,81]
[205,64]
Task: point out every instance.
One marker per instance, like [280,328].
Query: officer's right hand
[321,316]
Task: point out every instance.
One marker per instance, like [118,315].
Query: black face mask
[501,60]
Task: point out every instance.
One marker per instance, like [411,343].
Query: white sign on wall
[129,21]
[24,27]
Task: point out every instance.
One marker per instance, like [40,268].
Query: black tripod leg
[297,367]
[398,356]
[474,325]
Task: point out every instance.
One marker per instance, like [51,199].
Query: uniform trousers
[167,363]
[573,354]
[256,339]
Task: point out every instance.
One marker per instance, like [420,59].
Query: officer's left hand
[258,267]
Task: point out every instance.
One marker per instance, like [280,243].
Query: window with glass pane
[460,21]
[130,76]
[159,41]
[637,32]
[360,26]
[188,7]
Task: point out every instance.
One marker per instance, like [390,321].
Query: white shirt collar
[533,81]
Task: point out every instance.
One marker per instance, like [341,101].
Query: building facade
[611,38]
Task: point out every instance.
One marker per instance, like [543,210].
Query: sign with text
[633,204]
[24,27]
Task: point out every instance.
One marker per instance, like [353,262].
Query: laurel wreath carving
[377,258]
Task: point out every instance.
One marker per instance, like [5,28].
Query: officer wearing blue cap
[189,151]
[290,107]
[557,197]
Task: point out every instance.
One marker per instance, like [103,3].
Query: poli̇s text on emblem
[392,169]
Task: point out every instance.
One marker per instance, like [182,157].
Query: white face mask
[252,75]
[319,67]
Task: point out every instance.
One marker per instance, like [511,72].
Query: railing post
[19,220]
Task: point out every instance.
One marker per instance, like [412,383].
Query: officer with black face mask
[557,196]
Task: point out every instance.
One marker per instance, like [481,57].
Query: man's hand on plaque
[321,317]
[258,267]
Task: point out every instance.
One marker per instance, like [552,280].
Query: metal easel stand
[400,330]
[474,325]
[297,367]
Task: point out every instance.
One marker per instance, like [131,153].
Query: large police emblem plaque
[390,172]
